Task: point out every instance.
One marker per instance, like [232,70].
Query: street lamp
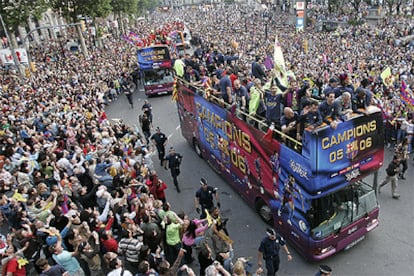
[266,20]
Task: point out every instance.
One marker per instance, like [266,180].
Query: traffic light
[33,66]
[83,25]
[305,46]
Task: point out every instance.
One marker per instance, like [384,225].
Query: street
[387,250]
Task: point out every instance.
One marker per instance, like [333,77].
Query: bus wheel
[264,211]
[197,148]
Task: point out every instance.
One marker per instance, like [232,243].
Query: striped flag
[175,91]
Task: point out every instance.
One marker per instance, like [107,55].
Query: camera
[82,246]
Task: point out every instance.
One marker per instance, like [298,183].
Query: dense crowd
[79,192]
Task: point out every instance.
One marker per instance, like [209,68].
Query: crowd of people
[79,192]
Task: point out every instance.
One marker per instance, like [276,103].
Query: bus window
[158,77]
[330,213]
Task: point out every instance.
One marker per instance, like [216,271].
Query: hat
[270,232]
[325,269]
[171,148]
[203,181]
[333,80]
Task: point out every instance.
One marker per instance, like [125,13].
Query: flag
[279,66]
[386,76]
[406,95]
[325,59]
[233,109]
[269,135]
[305,46]
[175,91]
[403,86]
[268,62]
[278,58]
[350,69]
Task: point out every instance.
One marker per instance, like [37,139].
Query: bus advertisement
[315,194]
[156,69]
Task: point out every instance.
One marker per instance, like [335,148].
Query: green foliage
[16,13]
[125,6]
[355,22]
[145,5]
[72,9]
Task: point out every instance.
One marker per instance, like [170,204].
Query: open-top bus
[315,193]
[156,69]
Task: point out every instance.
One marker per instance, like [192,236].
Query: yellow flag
[175,91]
[278,58]
[386,76]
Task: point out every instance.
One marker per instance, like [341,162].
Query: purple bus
[156,70]
[315,192]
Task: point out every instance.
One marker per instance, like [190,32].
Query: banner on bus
[154,57]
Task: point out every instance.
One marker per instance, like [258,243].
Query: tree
[145,5]
[124,7]
[356,4]
[74,10]
[391,4]
[16,13]
[128,7]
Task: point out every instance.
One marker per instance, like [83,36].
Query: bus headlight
[322,251]
[327,249]
[372,224]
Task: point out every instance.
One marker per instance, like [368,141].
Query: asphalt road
[387,250]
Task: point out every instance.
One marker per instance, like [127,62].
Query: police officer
[204,198]
[324,270]
[159,139]
[269,250]
[173,161]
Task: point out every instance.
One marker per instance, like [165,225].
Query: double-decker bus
[317,193]
[156,69]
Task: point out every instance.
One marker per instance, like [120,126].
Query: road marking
[172,133]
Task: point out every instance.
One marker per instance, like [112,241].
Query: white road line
[171,134]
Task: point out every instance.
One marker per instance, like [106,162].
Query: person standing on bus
[310,117]
[257,69]
[392,176]
[269,251]
[274,106]
[204,198]
[159,139]
[329,110]
[290,125]
[242,95]
[226,88]
[173,161]
[179,67]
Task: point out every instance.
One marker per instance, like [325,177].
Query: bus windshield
[329,214]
